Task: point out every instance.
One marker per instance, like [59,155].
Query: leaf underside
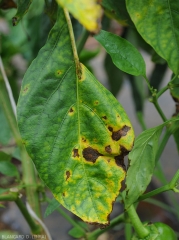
[162,31]
[74,130]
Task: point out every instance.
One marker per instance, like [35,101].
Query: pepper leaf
[87,12]
[124,55]
[74,129]
[142,163]
[22,9]
[53,205]
[157,22]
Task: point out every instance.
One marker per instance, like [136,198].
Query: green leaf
[124,55]
[22,9]
[75,131]
[53,205]
[141,163]
[87,12]
[157,22]
[7,168]
[117,10]
[4,157]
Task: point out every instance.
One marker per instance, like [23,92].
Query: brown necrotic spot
[110,129]
[63,194]
[120,133]
[83,140]
[120,161]
[71,110]
[108,149]
[104,117]
[75,153]
[67,175]
[91,154]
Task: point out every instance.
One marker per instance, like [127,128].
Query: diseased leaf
[22,9]
[124,55]
[141,163]
[75,131]
[7,4]
[53,205]
[157,22]
[87,12]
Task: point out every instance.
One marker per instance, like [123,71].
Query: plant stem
[158,108]
[14,196]
[82,41]
[72,38]
[35,229]
[164,89]
[141,231]
[8,87]
[154,192]
[128,231]
[29,178]
[93,235]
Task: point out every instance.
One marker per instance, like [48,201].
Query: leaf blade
[87,12]
[124,55]
[67,125]
[159,28]
[142,163]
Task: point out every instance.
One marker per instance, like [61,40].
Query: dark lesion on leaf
[75,153]
[110,129]
[108,149]
[120,158]
[71,110]
[104,117]
[63,194]
[102,226]
[67,175]
[90,154]
[120,133]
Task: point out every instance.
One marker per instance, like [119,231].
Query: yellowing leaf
[74,129]
[87,12]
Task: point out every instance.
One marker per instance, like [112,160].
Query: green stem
[128,231]
[158,108]
[35,229]
[154,192]
[29,177]
[14,196]
[164,89]
[10,196]
[82,41]
[93,235]
[139,228]
[72,38]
